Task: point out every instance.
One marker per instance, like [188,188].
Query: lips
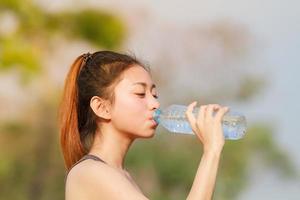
[153,122]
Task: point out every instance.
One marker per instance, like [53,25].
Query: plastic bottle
[173,119]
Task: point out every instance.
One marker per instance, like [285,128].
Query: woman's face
[135,103]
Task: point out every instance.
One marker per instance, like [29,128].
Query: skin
[127,119]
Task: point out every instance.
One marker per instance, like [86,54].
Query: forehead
[135,74]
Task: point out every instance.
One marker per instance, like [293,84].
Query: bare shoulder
[95,180]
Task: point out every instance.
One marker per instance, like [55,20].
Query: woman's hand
[208,127]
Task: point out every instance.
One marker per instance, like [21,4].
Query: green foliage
[25,48]
[98,28]
[15,5]
[19,54]
[262,141]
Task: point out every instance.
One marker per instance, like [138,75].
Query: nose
[154,103]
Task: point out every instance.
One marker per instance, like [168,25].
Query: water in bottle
[173,119]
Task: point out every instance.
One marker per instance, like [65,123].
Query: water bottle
[173,119]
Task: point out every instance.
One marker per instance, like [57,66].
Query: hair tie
[86,56]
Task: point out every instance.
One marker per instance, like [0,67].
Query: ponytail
[72,147]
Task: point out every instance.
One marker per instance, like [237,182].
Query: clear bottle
[173,119]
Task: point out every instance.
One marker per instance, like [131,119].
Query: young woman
[108,102]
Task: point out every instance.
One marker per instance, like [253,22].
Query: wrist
[215,152]
[215,149]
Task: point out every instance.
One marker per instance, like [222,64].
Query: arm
[204,182]
[208,128]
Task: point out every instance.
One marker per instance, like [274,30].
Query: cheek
[130,106]
[129,114]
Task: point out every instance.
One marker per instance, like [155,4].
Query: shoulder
[92,179]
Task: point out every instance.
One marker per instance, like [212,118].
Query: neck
[111,146]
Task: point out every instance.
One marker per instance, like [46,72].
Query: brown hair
[90,75]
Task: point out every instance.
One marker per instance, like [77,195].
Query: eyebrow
[144,84]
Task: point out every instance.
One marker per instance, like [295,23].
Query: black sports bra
[89,156]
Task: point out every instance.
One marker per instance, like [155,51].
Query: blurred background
[235,53]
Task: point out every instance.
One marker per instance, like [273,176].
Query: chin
[151,135]
[147,134]
[144,133]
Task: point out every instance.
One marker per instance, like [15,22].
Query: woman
[108,102]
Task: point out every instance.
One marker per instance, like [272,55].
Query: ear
[100,107]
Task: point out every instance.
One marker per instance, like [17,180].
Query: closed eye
[143,94]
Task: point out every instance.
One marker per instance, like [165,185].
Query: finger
[216,108]
[200,121]
[220,114]
[210,111]
[193,122]
[190,116]
[201,114]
